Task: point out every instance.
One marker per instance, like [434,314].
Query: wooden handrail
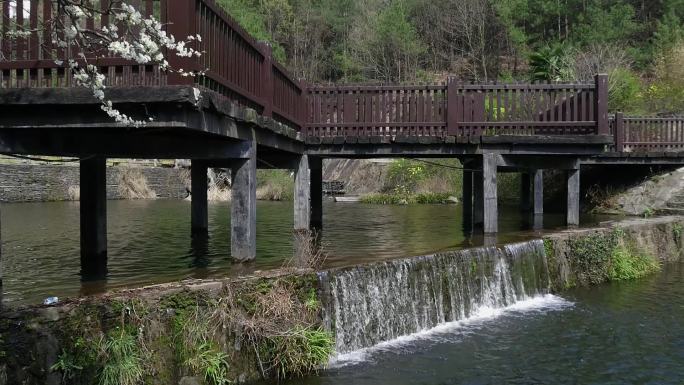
[236,64]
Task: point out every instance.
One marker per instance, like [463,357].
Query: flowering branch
[130,36]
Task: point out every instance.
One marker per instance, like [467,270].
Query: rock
[452,199]
[190,381]
[657,194]
[403,202]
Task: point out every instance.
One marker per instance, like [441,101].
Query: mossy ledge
[624,250]
[274,325]
[195,332]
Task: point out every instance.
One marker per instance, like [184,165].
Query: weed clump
[627,265]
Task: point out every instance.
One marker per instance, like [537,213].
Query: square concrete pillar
[302,195]
[308,194]
[199,212]
[538,191]
[243,206]
[489,193]
[93,212]
[573,195]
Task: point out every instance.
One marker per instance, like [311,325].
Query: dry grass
[133,184]
[604,198]
[275,185]
[434,184]
[309,253]
[272,192]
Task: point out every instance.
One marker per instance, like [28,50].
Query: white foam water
[536,304]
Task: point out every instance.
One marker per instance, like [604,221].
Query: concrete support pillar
[302,195]
[538,191]
[243,207]
[489,189]
[525,192]
[199,212]
[93,197]
[308,195]
[316,186]
[467,199]
[573,194]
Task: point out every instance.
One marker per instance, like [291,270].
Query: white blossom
[136,38]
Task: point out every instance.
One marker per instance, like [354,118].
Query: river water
[149,241]
[619,333]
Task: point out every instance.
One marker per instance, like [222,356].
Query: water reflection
[149,241]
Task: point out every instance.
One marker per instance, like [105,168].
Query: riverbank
[148,328]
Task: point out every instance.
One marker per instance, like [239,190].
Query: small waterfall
[370,304]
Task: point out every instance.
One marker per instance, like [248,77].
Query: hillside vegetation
[639,43]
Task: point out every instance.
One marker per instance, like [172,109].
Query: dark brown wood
[619,132]
[452,105]
[266,80]
[601,108]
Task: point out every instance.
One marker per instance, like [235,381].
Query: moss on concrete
[216,332]
[630,250]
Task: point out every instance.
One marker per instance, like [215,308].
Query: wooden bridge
[250,112]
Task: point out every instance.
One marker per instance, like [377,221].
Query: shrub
[624,91]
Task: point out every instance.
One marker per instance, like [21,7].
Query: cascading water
[371,304]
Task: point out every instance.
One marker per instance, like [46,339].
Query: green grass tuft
[211,363]
[626,265]
[406,198]
[121,357]
[300,351]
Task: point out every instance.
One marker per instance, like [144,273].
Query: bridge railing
[648,134]
[31,61]
[236,65]
[458,109]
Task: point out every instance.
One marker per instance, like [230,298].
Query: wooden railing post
[305,118]
[180,14]
[601,107]
[451,108]
[267,79]
[619,132]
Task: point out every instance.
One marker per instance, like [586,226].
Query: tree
[388,46]
[129,35]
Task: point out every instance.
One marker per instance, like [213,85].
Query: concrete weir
[350,307]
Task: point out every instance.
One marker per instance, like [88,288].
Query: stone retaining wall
[47,182]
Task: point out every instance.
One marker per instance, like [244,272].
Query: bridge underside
[213,132]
